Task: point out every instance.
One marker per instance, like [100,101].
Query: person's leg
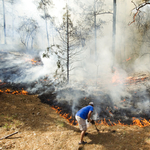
[82,135]
[83,128]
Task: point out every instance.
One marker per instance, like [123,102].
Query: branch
[9,135]
[138,9]
[104,13]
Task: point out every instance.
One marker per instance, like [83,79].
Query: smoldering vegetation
[97,77]
[112,101]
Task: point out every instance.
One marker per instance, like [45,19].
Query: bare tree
[138,9]
[142,22]
[4,22]
[90,15]
[44,5]
[27,32]
[67,48]
[13,2]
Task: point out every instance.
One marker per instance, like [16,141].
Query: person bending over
[81,116]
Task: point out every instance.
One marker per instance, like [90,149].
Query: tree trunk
[4,22]
[67,48]
[114,30]
[13,18]
[46,28]
[95,31]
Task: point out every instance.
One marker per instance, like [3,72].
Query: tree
[12,2]
[114,31]
[90,21]
[138,8]
[142,23]
[27,32]
[43,5]
[66,50]
[4,22]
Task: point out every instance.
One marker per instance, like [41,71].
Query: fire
[64,115]
[115,107]
[134,80]
[141,123]
[33,61]
[123,101]
[8,91]
[128,59]
[116,78]
[1,91]
[1,83]
[137,122]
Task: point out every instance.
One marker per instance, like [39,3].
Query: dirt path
[41,128]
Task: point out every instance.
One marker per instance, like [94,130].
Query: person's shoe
[82,142]
[86,134]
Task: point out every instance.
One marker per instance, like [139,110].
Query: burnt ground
[41,128]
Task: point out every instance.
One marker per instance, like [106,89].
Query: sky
[29,7]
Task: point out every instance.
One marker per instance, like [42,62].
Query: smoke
[99,74]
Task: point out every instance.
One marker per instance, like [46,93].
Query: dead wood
[9,135]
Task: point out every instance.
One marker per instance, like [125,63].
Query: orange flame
[70,120]
[128,59]
[33,61]
[141,123]
[137,122]
[1,91]
[123,101]
[116,78]
[22,92]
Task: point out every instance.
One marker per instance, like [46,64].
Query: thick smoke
[99,75]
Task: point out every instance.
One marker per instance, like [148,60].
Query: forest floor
[41,128]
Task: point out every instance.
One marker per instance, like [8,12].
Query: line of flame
[137,122]
[8,91]
[70,120]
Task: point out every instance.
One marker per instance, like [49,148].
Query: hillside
[41,128]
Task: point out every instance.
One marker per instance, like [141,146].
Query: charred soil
[41,128]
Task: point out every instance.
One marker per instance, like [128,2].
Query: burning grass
[21,92]
[71,119]
[40,127]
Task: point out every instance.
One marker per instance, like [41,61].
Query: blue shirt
[83,112]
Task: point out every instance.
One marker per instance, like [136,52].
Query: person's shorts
[82,123]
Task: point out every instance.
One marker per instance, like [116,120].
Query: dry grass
[40,128]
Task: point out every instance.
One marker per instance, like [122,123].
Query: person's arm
[89,116]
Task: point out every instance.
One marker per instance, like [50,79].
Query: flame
[33,61]
[123,101]
[141,123]
[115,107]
[1,91]
[137,122]
[66,116]
[116,77]
[22,92]
[128,59]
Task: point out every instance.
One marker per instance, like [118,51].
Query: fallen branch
[9,135]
